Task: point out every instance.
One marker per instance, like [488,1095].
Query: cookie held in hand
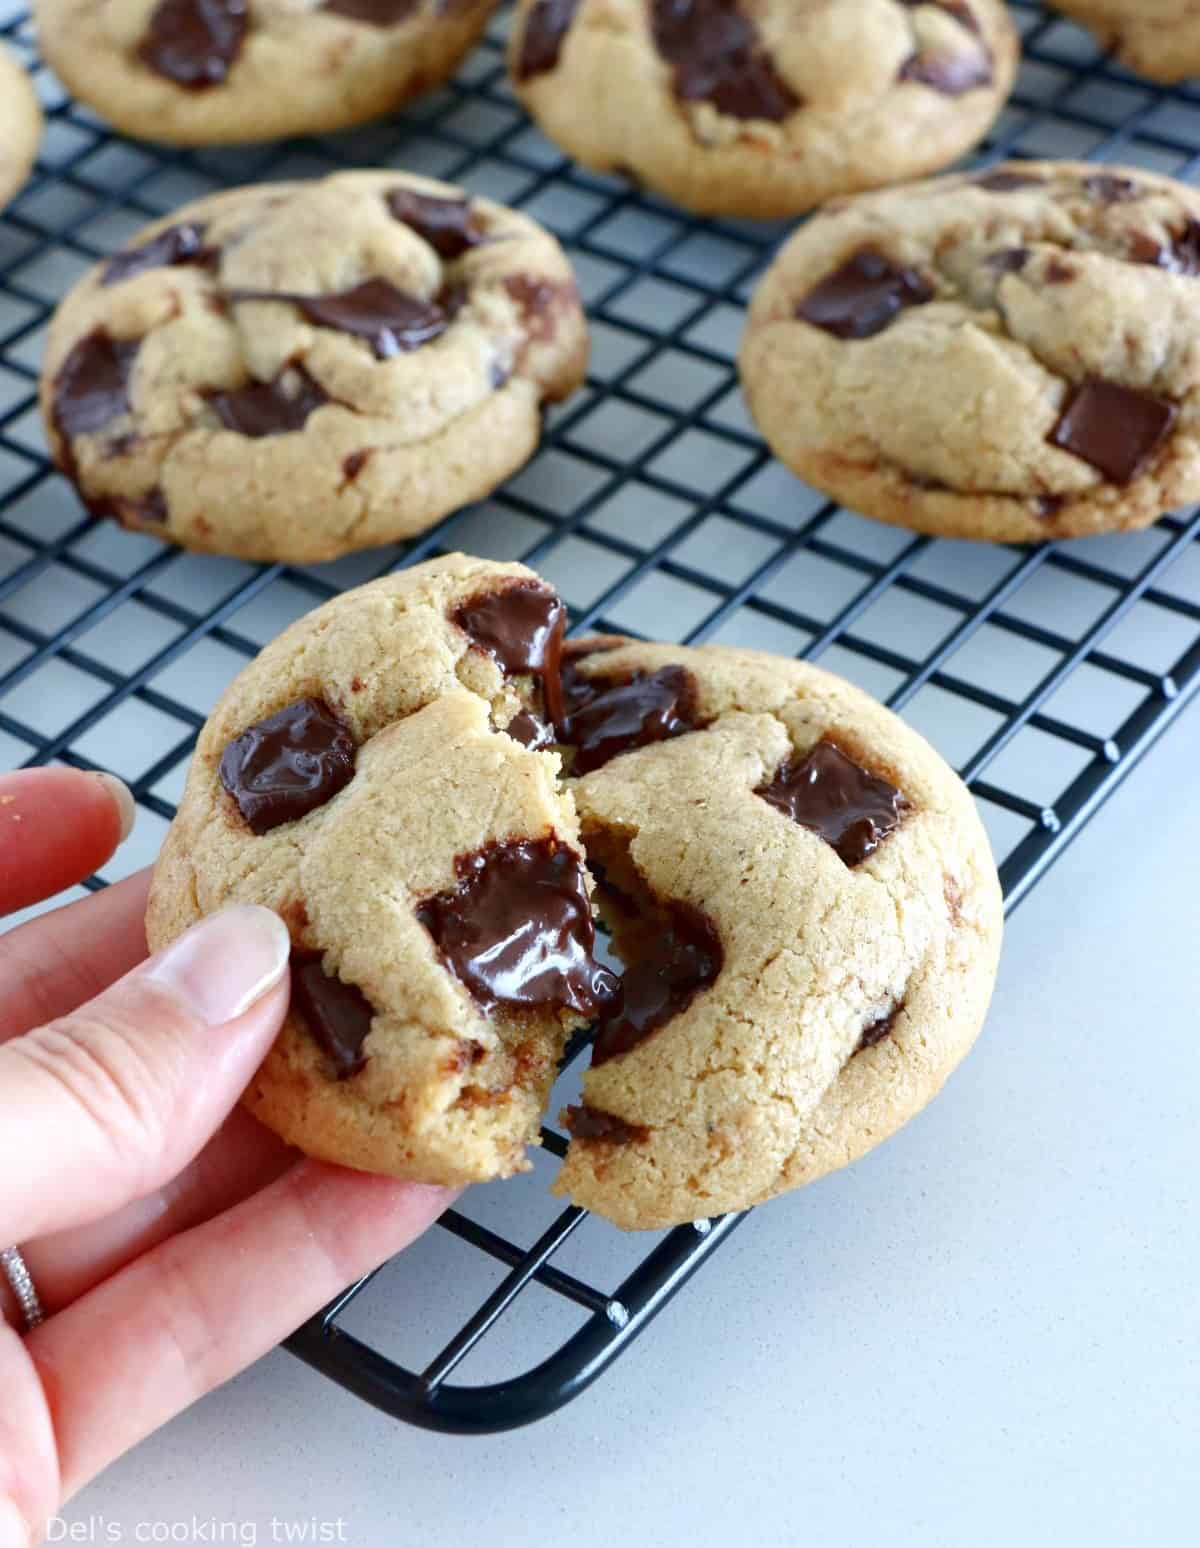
[295,371]
[1011,354]
[763,110]
[432,796]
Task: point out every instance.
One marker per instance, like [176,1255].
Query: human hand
[172,1239]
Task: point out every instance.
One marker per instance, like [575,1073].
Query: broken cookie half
[434,793]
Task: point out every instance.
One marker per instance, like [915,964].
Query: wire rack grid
[654,507]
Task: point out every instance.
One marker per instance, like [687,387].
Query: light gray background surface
[983,1334]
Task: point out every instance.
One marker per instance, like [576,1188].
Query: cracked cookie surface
[1157,38]
[295,371]
[763,107]
[809,916]
[355,779]
[20,126]
[207,72]
[1012,354]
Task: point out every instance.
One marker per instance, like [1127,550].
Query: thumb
[108,1103]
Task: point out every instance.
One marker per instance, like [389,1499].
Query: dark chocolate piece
[1116,429]
[953,74]
[1047,505]
[829,794]
[392,321]
[353,465]
[288,764]
[526,728]
[517,930]
[717,57]
[875,1031]
[92,386]
[1009,260]
[863,296]
[338,1015]
[546,27]
[605,718]
[1057,272]
[270,408]
[590,1123]
[1004,181]
[170,248]
[373,13]
[1180,254]
[448,225]
[1112,190]
[684,957]
[521,627]
[194,42]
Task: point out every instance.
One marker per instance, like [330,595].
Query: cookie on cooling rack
[358,779]
[768,109]
[809,916]
[1157,38]
[294,371]
[800,890]
[1012,354]
[208,72]
[20,126]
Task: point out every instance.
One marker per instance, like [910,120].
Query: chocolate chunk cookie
[20,126]
[357,779]
[763,109]
[809,918]
[1012,354]
[208,72]
[798,888]
[294,371]
[1158,38]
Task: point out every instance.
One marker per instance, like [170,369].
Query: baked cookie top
[1009,354]
[293,371]
[798,887]
[356,779]
[1158,38]
[809,917]
[764,108]
[20,125]
[206,72]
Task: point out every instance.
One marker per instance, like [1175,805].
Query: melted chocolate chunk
[526,728]
[590,1123]
[1048,505]
[953,74]
[1057,272]
[338,1015]
[875,1031]
[830,795]
[1116,429]
[172,247]
[521,627]
[92,386]
[684,957]
[1009,260]
[863,296]
[717,57]
[1112,190]
[603,719]
[392,321]
[448,225]
[353,465]
[546,26]
[517,929]
[288,764]
[373,13]
[194,42]
[270,408]
[1180,254]
[1007,182]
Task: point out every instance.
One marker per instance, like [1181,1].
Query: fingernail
[13,1531]
[125,803]
[222,965]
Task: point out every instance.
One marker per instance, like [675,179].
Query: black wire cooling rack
[1041,674]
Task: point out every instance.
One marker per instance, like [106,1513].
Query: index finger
[56,827]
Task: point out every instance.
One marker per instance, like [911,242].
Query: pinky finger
[192,1313]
